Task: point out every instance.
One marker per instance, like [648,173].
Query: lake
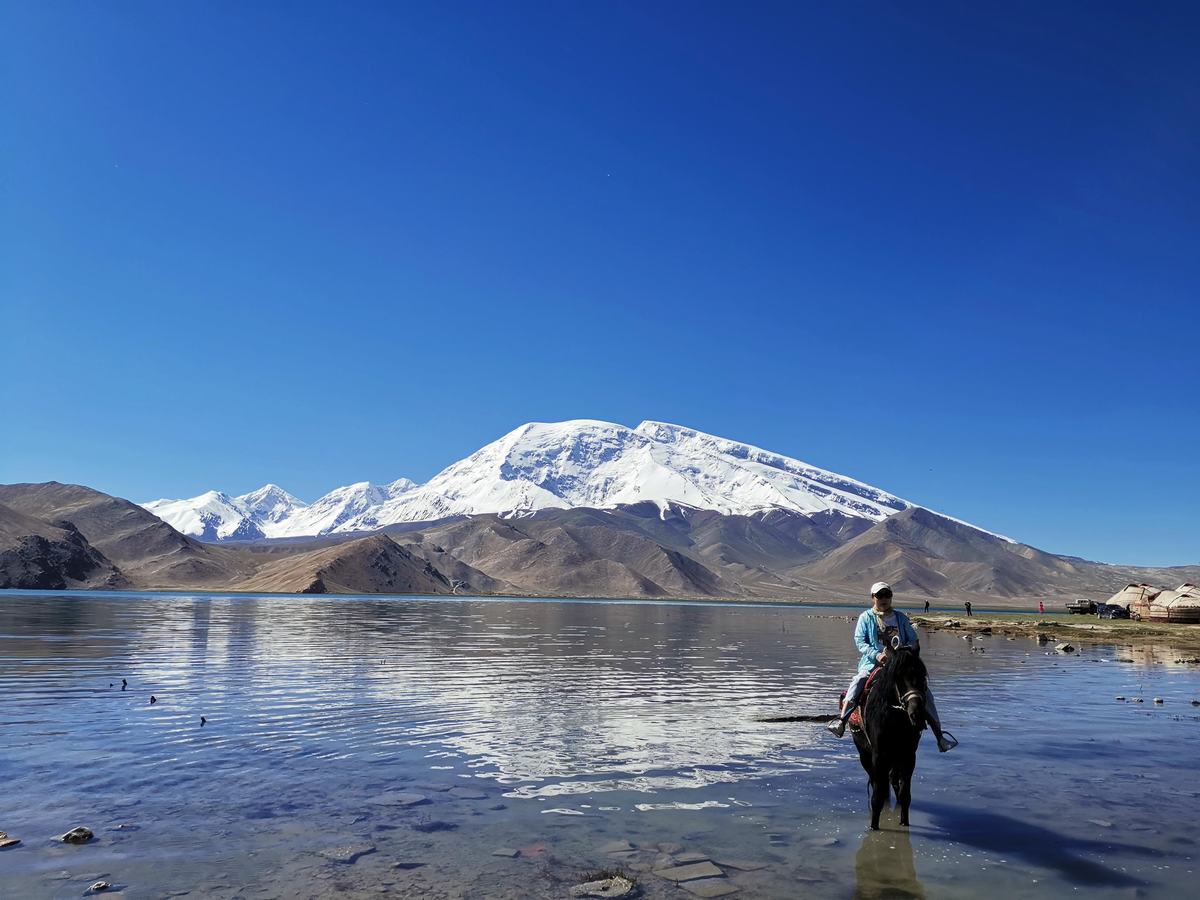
[356,746]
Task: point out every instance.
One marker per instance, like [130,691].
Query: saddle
[856,722]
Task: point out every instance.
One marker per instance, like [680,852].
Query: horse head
[909,681]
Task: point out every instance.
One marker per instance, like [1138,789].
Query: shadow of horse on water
[1038,846]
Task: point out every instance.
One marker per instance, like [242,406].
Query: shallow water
[578,723]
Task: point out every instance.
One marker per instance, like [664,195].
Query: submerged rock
[79,835]
[506,852]
[621,846]
[617,886]
[1064,647]
[742,865]
[6,841]
[690,872]
[432,826]
[399,798]
[347,854]
[710,887]
[99,886]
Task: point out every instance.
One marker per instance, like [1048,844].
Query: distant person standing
[968,606]
[1041,607]
[926,606]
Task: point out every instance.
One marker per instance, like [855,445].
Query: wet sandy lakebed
[358,746]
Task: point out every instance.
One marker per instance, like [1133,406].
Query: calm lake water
[561,727]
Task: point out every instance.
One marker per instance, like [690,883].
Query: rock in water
[80,835]
[690,872]
[435,825]
[1064,647]
[99,886]
[347,854]
[617,886]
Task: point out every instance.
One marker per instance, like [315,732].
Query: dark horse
[893,719]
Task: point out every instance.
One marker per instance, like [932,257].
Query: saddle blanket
[855,721]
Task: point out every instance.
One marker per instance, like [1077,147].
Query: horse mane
[900,662]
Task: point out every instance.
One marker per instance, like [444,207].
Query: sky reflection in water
[586,722]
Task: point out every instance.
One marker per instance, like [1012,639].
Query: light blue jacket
[869,639]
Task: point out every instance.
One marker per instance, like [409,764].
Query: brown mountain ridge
[68,536]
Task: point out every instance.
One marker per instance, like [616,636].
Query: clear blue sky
[953,252]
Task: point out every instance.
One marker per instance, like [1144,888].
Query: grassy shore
[1074,629]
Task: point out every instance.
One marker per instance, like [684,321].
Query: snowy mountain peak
[541,465]
[270,503]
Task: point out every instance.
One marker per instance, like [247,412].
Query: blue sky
[949,251]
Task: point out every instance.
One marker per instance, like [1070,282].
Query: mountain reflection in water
[573,724]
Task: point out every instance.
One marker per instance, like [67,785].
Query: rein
[909,695]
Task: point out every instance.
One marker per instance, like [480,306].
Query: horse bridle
[908,695]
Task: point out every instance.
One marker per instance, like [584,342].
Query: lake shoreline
[1063,628]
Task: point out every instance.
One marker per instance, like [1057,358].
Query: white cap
[880,586]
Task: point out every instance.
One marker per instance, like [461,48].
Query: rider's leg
[838,725]
[935,723]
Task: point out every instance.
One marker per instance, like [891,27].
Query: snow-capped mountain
[551,465]
[270,504]
[215,515]
[332,512]
[600,464]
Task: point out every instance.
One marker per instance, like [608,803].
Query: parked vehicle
[1111,611]
[1082,607]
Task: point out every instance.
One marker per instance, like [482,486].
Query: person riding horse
[873,634]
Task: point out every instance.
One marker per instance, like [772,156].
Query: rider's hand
[881,658]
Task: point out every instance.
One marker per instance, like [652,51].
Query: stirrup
[836,727]
[950,740]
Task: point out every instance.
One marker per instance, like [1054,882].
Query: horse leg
[904,791]
[879,791]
